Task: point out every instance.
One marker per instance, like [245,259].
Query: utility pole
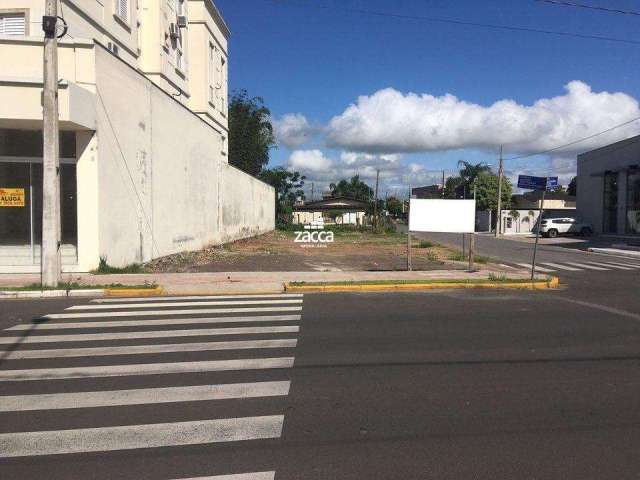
[409,232]
[50,248]
[472,238]
[499,214]
[375,205]
[312,197]
[443,183]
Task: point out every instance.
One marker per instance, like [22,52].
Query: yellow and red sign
[12,197]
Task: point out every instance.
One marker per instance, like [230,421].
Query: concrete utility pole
[443,183]
[500,175]
[50,248]
[312,191]
[472,238]
[375,205]
[409,232]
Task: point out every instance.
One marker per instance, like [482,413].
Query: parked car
[552,227]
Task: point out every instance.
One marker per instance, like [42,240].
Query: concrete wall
[591,168]
[163,184]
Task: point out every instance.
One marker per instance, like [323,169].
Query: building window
[212,75]
[610,203]
[122,9]
[633,201]
[179,60]
[12,24]
[223,81]
[180,7]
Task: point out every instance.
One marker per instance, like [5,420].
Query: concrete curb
[133,292]
[89,292]
[553,283]
[51,293]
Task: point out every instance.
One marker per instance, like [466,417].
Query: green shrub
[105,269]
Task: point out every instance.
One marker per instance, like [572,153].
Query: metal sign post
[537,183]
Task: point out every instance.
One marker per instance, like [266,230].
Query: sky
[352,92]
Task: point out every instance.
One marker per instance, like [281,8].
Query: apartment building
[143,119]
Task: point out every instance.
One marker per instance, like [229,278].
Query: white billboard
[447,216]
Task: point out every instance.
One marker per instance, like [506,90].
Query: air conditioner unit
[173,31]
[182,21]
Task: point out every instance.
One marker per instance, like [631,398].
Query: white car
[552,227]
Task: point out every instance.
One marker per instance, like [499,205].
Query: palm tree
[515,214]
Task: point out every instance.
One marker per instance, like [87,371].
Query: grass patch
[491,279]
[105,269]
[36,287]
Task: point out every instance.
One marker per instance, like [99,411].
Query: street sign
[527,182]
[11,197]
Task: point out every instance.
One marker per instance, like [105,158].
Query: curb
[551,284]
[51,293]
[133,292]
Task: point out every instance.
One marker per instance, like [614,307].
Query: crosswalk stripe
[144,369]
[561,267]
[155,313]
[182,304]
[145,323]
[143,396]
[194,297]
[150,349]
[240,476]
[632,266]
[587,266]
[83,337]
[538,267]
[616,267]
[130,437]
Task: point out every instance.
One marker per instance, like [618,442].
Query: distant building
[335,210]
[609,187]
[428,192]
[552,200]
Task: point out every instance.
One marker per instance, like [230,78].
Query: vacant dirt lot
[277,251]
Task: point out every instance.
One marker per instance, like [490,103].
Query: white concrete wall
[164,186]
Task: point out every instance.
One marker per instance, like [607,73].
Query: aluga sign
[314,235]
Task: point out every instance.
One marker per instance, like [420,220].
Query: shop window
[633,201]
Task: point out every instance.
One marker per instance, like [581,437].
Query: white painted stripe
[150,349]
[145,323]
[181,304]
[587,266]
[156,313]
[617,267]
[630,265]
[199,332]
[144,369]
[538,267]
[240,476]
[561,267]
[143,396]
[194,297]
[130,437]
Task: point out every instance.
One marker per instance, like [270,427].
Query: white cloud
[292,130]
[390,122]
[310,161]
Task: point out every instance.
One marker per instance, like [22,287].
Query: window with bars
[122,9]
[12,24]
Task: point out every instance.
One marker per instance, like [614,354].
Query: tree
[572,189]
[288,186]
[354,188]
[250,133]
[394,206]
[469,172]
[515,214]
[453,188]
[487,192]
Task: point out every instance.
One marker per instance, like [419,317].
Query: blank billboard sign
[447,216]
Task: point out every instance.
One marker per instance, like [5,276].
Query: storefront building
[609,188]
[143,135]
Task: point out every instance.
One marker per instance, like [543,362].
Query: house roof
[335,203]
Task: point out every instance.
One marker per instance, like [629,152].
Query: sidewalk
[215,283]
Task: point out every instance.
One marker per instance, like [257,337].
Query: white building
[143,119]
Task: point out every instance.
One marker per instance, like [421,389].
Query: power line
[560,147]
[563,3]
[452,21]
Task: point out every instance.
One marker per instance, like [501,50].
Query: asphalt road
[442,385]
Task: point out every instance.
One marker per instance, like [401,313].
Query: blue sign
[527,182]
